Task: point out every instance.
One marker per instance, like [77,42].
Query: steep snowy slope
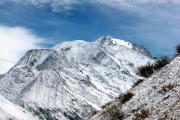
[73,79]
[9,111]
[157,98]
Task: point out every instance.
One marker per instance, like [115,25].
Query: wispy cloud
[58,5]
[14,42]
[152,23]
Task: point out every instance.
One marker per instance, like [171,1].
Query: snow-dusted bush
[146,70]
[178,49]
[141,114]
[149,69]
[126,97]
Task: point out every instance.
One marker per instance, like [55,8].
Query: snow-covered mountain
[73,79]
[156,98]
[9,111]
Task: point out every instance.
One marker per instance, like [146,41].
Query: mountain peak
[109,40]
[73,76]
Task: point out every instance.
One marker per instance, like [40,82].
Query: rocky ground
[155,98]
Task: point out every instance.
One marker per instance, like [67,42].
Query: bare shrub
[141,115]
[125,97]
[178,49]
[115,113]
[149,69]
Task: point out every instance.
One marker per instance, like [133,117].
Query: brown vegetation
[126,97]
[149,69]
[178,49]
[141,115]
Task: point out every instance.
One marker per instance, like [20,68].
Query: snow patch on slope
[10,111]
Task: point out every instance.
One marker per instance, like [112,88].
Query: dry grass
[166,88]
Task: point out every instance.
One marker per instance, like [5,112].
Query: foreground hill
[156,98]
[73,79]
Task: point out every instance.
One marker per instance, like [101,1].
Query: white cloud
[14,42]
[57,5]
[134,5]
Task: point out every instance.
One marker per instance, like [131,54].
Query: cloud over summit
[14,42]
[152,23]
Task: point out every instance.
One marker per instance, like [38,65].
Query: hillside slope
[156,98]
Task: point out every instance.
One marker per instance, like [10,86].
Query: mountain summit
[72,80]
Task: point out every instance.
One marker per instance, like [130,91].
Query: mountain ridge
[73,79]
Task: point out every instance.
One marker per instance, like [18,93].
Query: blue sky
[154,24]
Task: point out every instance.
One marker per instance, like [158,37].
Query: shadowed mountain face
[73,79]
[157,97]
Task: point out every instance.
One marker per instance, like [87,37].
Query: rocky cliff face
[156,98]
[73,79]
